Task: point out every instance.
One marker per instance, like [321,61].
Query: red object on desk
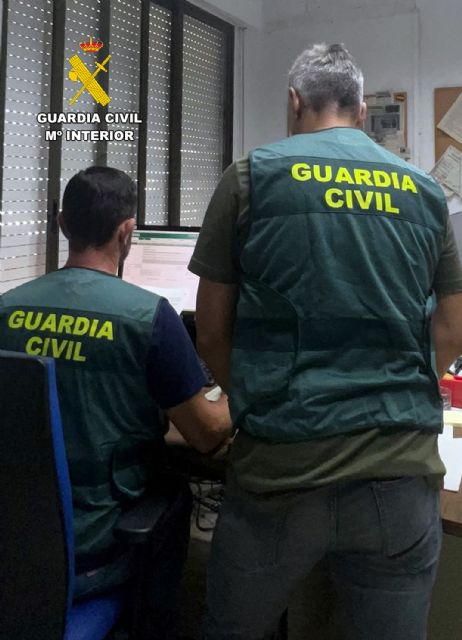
[455,384]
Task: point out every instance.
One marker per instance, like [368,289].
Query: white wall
[292,13]
[440,63]
[240,12]
[385,65]
[405,45]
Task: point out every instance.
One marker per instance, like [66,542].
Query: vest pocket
[265,349]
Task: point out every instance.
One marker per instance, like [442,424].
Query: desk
[451,501]
[190,462]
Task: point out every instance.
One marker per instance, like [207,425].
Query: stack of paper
[450,449]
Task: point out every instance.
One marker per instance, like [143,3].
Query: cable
[207,496]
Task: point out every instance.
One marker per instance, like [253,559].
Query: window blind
[124,80]
[23,219]
[204,78]
[157,172]
[82,21]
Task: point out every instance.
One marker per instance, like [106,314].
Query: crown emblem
[92,46]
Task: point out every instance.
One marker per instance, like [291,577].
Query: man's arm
[215,312]
[203,424]
[447,331]
[175,380]
[447,319]
[215,261]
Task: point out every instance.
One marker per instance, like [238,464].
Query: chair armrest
[139,523]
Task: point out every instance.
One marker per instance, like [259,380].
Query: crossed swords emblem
[81,72]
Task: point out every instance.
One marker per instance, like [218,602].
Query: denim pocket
[249,532]
[410,522]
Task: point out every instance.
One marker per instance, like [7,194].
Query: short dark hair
[95,202]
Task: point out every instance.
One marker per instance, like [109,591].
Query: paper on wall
[447,192]
[451,123]
[379,99]
[385,122]
[450,449]
[448,170]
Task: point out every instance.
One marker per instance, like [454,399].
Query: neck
[93,259]
[327,119]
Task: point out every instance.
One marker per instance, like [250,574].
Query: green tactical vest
[99,330]
[332,331]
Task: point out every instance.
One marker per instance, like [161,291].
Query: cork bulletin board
[444,99]
[451,501]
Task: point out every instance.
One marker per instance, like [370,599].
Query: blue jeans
[381,540]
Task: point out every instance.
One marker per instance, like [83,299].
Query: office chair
[36,541]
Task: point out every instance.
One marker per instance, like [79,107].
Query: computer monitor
[158,261]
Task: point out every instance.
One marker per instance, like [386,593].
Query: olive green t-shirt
[261,466]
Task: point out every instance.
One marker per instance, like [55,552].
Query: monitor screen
[158,261]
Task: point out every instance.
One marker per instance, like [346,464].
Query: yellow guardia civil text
[40,323]
[347,197]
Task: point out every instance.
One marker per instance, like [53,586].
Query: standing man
[122,354]
[317,257]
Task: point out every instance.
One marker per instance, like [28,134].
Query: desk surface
[451,501]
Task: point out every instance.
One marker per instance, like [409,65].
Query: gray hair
[327,74]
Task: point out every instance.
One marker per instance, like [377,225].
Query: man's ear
[62,225]
[125,230]
[124,238]
[295,103]
[362,114]
[294,111]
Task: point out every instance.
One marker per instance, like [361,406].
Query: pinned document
[448,170]
[451,123]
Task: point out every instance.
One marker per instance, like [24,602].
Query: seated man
[121,354]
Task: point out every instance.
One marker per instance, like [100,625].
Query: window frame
[178,9]
[3,77]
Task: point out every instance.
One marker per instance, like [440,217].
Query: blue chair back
[36,550]
[36,540]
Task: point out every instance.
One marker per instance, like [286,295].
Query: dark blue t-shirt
[174,372]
